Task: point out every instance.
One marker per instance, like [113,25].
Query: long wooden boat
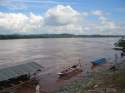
[70,70]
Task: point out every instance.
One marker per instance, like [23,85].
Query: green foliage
[120,43]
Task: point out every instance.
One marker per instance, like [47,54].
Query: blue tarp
[99,61]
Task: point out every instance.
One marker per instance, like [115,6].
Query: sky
[87,17]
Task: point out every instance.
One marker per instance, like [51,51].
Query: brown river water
[56,54]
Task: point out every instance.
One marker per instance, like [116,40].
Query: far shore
[35,36]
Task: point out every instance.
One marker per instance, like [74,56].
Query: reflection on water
[56,54]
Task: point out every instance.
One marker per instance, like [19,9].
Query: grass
[106,80]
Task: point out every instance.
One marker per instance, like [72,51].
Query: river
[55,54]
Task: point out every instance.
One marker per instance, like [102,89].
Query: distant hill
[18,36]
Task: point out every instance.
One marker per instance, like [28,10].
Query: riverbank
[107,81]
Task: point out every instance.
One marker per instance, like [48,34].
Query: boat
[14,77]
[99,61]
[70,70]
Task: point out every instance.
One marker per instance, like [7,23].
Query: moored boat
[14,77]
[70,70]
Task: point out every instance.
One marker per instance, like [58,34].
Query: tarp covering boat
[99,61]
[18,70]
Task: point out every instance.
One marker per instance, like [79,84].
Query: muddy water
[56,54]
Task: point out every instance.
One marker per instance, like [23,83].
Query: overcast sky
[62,16]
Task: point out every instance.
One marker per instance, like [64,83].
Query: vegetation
[112,81]
[19,36]
[120,43]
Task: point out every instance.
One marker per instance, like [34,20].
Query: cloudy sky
[62,16]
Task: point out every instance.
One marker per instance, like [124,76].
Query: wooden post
[80,63]
[37,88]
[116,59]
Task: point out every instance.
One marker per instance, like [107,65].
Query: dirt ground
[28,88]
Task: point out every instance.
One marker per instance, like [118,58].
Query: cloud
[59,19]
[13,5]
[62,15]
[18,22]
[43,1]
[98,13]
[26,4]
[104,23]
[85,14]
